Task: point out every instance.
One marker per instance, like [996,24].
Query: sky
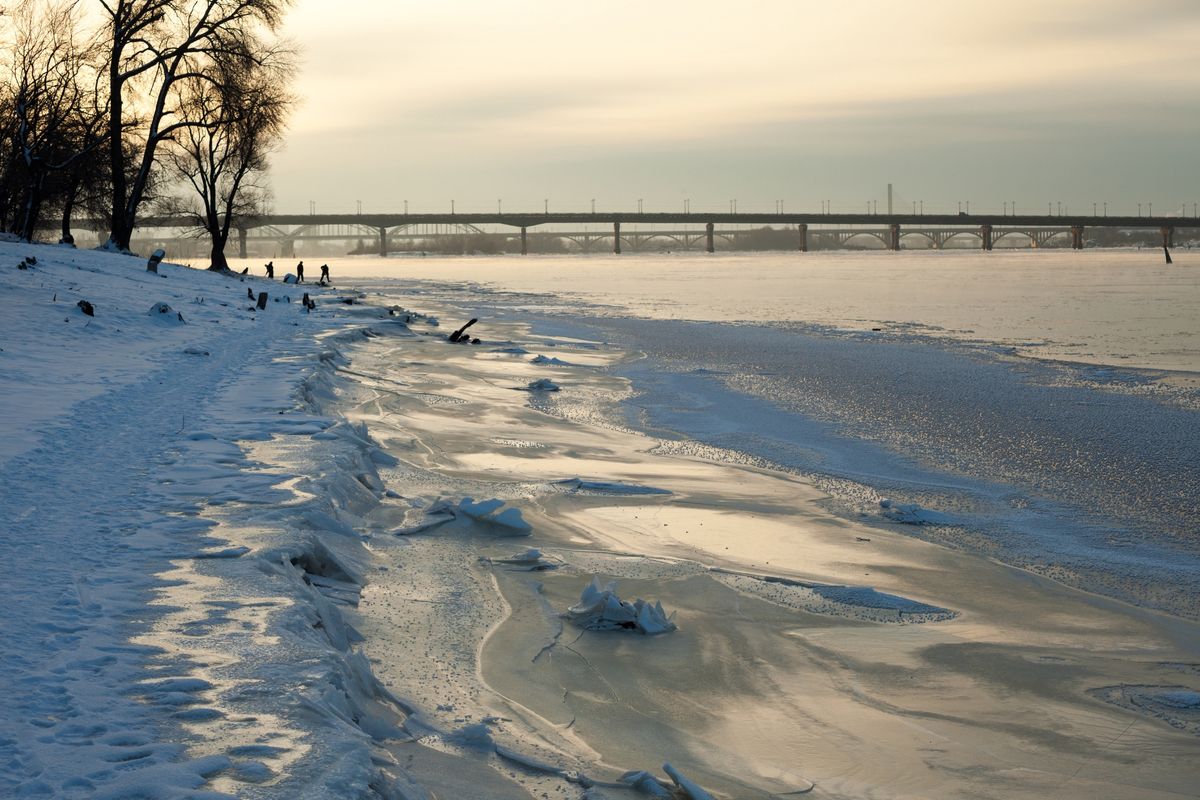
[510,105]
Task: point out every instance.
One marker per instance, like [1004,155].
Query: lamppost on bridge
[922,208]
[1106,208]
[687,205]
[639,205]
[1060,208]
[968,206]
[593,205]
[1139,209]
[499,206]
[359,204]
[546,206]
[1093,209]
[452,207]
[960,206]
[406,208]
[1006,208]
[1151,212]
[312,208]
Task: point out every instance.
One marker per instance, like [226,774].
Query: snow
[120,445]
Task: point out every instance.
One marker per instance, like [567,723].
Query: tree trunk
[33,209]
[120,232]
[217,261]
[68,207]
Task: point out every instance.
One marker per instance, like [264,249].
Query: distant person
[325,274]
[300,272]
[270,269]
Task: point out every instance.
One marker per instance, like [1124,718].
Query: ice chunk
[508,522]
[913,514]
[164,313]
[543,385]
[690,788]
[646,783]
[607,487]
[511,518]
[476,510]
[556,362]
[531,561]
[600,609]
[530,556]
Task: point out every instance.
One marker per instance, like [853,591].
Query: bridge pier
[383,242]
[524,242]
[1076,237]
[1168,236]
[985,234]
[617,238]
[708,238]
[241,242]
[894,237]
[803,230]
[288,249]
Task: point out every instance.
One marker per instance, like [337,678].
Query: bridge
[807,228]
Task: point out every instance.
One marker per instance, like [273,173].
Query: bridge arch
[852,235]
[969,233]
[1027,235]
[933,240]
[668,237]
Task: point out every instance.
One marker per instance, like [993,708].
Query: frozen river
[1044,404]
[1123,307]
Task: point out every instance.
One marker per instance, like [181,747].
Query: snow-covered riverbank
[144,655]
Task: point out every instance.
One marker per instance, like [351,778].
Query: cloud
[445,100]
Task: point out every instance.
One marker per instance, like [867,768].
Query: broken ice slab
[913,514]
[531,560]
[543,385]
[581,486]
[600,609]
[551,360]
[508,522]
[683,789]
[480,509]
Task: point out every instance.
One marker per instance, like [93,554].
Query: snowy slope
[117,432]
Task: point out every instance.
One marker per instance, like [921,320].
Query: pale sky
[1072,101]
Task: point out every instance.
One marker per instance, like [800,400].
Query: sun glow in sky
[1076,101]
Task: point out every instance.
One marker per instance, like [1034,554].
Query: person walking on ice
[270,265]
[325,275]
[300,272]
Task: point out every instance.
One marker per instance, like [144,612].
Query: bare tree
[161,49]
[235,121]
[54,112]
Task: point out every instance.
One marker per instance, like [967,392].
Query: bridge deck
[524,220]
